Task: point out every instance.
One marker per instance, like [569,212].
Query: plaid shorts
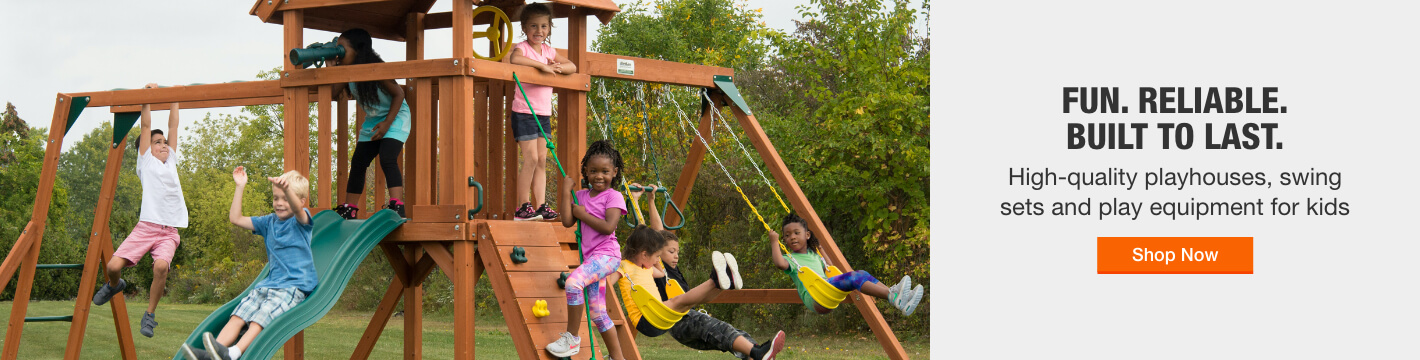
[264,304]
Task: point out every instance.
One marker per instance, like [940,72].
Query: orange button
[1175,255]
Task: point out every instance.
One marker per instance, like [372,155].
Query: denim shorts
[525,129]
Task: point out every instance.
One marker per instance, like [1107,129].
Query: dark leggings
[365,152]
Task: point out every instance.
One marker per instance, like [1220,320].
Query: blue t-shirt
[374,115]
[288,251]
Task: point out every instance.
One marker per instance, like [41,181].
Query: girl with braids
[382,133]
[804,249]
[600,209]
[536,20]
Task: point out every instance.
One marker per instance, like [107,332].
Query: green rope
[580,257]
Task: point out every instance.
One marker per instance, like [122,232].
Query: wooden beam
[99,240]
[39,214]
[758,296]
[342,148]
[323,170]
[801,204]
[428,232]
[413,310]
[21,302]
[206,92]
[380,71]
[465,263]
[203,104]
[504,71]
[307,4]
[655,71]
[383,311]
[691,170]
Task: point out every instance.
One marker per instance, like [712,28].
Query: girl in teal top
[804,251]
[382,133]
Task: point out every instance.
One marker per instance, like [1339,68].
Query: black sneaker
[769,349]
[397,206]
[547,212]
[106,292]
[194,354]
[525,213]
[346,211]
[215,349]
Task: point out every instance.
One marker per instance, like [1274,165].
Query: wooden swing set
[458,162]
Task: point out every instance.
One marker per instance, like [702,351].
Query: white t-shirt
[163,203]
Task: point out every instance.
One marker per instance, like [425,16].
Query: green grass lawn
[335,336]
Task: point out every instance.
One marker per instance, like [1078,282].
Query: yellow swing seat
[653,310]
[673,289]
[824,294]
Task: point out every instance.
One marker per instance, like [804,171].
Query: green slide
[338,246]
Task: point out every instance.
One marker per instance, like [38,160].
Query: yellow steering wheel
[499,32]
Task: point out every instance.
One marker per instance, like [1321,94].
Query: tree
[20,168]
[847,97]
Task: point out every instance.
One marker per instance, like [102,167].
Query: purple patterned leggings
[589,276]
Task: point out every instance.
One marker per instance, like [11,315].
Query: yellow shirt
[639,275]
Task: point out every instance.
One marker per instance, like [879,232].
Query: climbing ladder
[24,256]
[550,250]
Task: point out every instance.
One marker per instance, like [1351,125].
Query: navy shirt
[288,251]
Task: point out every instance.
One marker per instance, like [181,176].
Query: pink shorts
[147,237]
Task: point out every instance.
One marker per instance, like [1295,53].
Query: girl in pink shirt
[535,52]
[599,209]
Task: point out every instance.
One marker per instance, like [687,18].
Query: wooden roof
[385,19]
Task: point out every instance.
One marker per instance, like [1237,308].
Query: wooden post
[413,309]
[420,174]
[686,183]
[342,148]
[296,115]
[419,102]
[25,254]
[323,170]
[22,300]
[464,280]
[575,113]
[100,239]
[802,206]
[491,173]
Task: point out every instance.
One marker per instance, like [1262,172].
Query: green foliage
[847,98]
[23,151]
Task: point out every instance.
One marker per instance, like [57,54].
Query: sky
[88,45]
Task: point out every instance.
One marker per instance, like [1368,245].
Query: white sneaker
[901,293]
[736,282]
[914,298]
[565,346]
[721,275]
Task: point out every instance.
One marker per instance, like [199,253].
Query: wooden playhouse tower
[458,166]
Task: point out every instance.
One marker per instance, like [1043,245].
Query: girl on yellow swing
[804,252]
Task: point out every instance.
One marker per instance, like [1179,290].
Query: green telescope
[317,54]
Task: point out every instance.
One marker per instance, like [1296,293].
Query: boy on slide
[288,250]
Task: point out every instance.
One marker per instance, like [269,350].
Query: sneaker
[915,297]
[719,270]
[148,324]
[734,269]
[215,349]
[194,354]
[769,349]
[397,206]
[899,295]
[106,293]
[346,211]
[546,212]
[566,345]
[525,213]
